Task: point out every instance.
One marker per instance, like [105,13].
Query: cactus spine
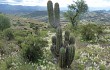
[63,52]
[53,15]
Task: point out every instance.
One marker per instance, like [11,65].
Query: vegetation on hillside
[29,44]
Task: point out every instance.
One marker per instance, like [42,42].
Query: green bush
[2,51]
[19,40]
[4,22]
[32,25]
[8,34]
[22,33]
[102,67]
[32,48]
[91,32]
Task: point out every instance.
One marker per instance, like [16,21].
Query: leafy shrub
[22,33]
[91,32]
[32,48]
[32,25]
[19,40]
[8,33]
[43,33]
[1,48]
[102,67]
[4,22]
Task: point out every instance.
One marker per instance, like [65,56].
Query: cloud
[18,0]
[2,1]
[63,3]
[98,3]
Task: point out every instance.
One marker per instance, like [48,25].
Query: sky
[63,3]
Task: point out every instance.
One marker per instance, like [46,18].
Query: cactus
[54,40]
[53,15]
[67,34]
[57,14]
[70,51]
[50,13]
[63,51]
[62,57]
[71,40]
[59,39]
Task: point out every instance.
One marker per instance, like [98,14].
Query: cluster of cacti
[53,14]
[64,51]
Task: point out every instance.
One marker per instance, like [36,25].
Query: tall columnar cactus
[62,57]
[50,13]
[59,39]
[53,14]
[63,51]
[57,14]
[70,50]
[67,34]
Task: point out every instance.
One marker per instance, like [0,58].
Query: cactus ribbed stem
[50,13]
[70,52]
[62,57]
[53,14]
[59,39]
[67,34]
[54,40]
[57,14]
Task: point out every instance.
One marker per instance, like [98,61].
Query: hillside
[47,38]
[16,9]
[36,14]
[100,16]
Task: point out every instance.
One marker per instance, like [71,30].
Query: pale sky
[63,3]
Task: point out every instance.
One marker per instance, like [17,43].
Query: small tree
[75,11]
[4,22]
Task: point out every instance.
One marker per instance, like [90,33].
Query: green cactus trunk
[62,58]
[54,40]
[59,39]
[50,13]
[67,34]
[70,52]
[71,40]
[57,14]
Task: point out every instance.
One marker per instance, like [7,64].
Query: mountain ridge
[13,9]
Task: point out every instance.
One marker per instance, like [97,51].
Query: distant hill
[14,9]
[17,9]
[36,14]
[99,16]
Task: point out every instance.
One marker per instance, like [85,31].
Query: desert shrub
[4,22]
[22,33]
[43,33]
[91,32]
[32,25]
[2,51]
[19,40]
[36,29]
[1,35]
[8,34]
[32,48]
[102,67]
